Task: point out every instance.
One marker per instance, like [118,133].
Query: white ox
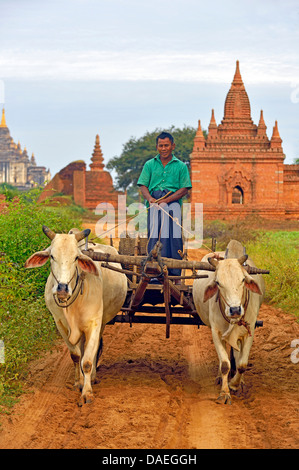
[82,297]
[228,301]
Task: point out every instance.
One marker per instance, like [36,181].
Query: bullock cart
[153,295]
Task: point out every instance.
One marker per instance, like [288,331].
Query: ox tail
[99,353]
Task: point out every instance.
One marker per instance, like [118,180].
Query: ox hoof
[77,387]
[96,381]
[224,399]
[87,398]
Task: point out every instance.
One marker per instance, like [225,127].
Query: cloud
[92,65]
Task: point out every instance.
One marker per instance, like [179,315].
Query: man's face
[165,148]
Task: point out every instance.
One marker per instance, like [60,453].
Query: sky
[71,69]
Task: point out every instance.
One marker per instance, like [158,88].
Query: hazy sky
[71,69]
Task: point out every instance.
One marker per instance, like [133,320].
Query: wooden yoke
[139,261]
[153,266]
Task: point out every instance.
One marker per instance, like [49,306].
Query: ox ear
[252,285]
[37,259]
[87,265]
[211,290]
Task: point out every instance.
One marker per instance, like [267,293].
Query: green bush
[26,326]
[278,252]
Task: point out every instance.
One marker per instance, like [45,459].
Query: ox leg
[75,352]
[88,362]
[76,358]
[224,367]
[241,363]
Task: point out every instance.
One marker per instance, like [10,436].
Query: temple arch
[237,195]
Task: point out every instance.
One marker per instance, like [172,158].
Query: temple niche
[237,170]
[16,168]
[87,188]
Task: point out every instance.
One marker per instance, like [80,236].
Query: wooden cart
[153,295]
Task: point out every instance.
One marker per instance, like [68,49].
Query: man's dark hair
[165,135]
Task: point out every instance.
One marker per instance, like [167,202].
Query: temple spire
[237,78]
[199,139]
[212,125]
[32,161]
[97,156]
[3,122]
[237,106]
[275,139]
[261,129]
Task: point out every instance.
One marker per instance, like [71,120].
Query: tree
[296,161]
[136,152]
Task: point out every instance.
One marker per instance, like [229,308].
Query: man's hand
[165,201]
[152,200]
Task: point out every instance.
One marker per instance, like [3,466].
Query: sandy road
[158,393]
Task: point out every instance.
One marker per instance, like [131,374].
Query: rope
[145,209]
[242,321]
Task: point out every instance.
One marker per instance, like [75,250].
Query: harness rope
[242,321]
[78,287]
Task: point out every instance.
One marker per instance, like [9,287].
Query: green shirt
[173,176]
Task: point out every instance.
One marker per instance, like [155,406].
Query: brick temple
[87,188]
[237,170]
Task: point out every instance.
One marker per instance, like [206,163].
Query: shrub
[278,252]
[26,327]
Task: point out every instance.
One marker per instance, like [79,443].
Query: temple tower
[237,170]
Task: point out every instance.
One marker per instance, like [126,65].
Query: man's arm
[175,196]
[146,194]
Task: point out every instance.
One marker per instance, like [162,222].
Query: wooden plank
[154,319]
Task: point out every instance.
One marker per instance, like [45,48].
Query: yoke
[152,293]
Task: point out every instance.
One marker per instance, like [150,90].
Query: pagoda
[237,170]
[16,168]
[87,188]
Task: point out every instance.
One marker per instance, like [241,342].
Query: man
[165,175]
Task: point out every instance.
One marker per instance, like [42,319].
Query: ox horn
[213,262]
[79,236]
[243,259]
[254,270]
[48,232]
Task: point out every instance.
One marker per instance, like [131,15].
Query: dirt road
[158,393]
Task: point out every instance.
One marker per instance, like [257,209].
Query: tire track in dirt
[50,380]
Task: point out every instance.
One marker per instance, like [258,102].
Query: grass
[278,252]
[26,326]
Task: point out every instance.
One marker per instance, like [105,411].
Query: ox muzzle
[62,291]
[235,312]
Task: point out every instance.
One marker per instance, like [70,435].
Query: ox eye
[76,258]
[52,257]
